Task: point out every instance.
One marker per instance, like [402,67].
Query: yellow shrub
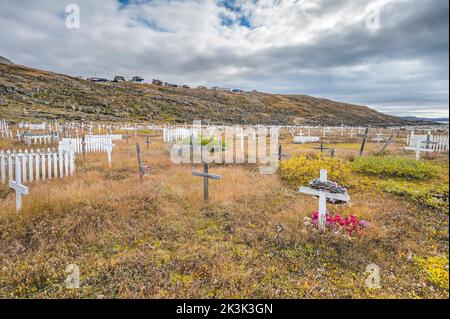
[298,171]
[436,269]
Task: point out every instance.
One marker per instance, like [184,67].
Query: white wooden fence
[36,165]
[37,139]
[174,135]
[5,132]
[91,144]
[440,142]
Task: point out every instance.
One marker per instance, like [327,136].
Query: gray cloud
[316,47]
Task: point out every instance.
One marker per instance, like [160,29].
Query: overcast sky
[324,48]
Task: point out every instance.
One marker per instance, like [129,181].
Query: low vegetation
[435,268]
[298,171]
[395,166]
[156,238]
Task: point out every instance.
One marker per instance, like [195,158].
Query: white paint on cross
[17,185]
[323,196]
[419,149]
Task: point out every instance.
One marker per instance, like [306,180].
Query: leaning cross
[387,143]
[141,166]
[17,185]
[363,143]
[206,176]
[323,196]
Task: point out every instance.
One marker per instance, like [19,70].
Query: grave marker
[18,186]
[141,166]
[323,196]
[206,176]
[363,144]
[419,149]
[322,148]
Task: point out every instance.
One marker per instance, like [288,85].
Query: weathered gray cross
[428,141]
[17,185]
[142,168]
[323,196]
[206,176]
[363,143]
[322,148]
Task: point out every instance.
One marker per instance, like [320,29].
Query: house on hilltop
[119,78]
[157,82]
[94,79]
[137,79]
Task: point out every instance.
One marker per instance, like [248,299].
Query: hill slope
[36,94]
[4,61]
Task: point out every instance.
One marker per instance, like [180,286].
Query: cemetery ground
[155,237]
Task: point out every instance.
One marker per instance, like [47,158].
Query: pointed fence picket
[91,144]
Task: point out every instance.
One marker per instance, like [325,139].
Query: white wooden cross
[419,149]
[17,185]
[323,196]
[379,137]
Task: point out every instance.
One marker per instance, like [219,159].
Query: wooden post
[141,167]
[148,142]
[83,145]
[279,152]
[363,144]
[17,184]
[206,176]
[205,183]
[322,201]
[386,144]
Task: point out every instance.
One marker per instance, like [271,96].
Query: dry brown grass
[156,238]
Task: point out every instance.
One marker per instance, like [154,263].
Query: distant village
[138,79]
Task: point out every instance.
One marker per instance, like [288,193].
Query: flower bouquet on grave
[350,225]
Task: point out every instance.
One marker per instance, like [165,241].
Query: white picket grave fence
[440,142]
[37,139]
[5,132]
[36,165]
[174,135]
[91,144]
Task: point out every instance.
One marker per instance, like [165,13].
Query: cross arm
[315,192]
[212,176]
[18,187]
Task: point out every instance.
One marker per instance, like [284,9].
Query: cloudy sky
[391,55]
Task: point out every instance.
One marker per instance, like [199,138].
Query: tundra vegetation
[156,238]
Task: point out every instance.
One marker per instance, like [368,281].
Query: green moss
[436,269]
[394,166]
[434,196]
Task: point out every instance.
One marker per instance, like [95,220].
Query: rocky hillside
[27,94]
